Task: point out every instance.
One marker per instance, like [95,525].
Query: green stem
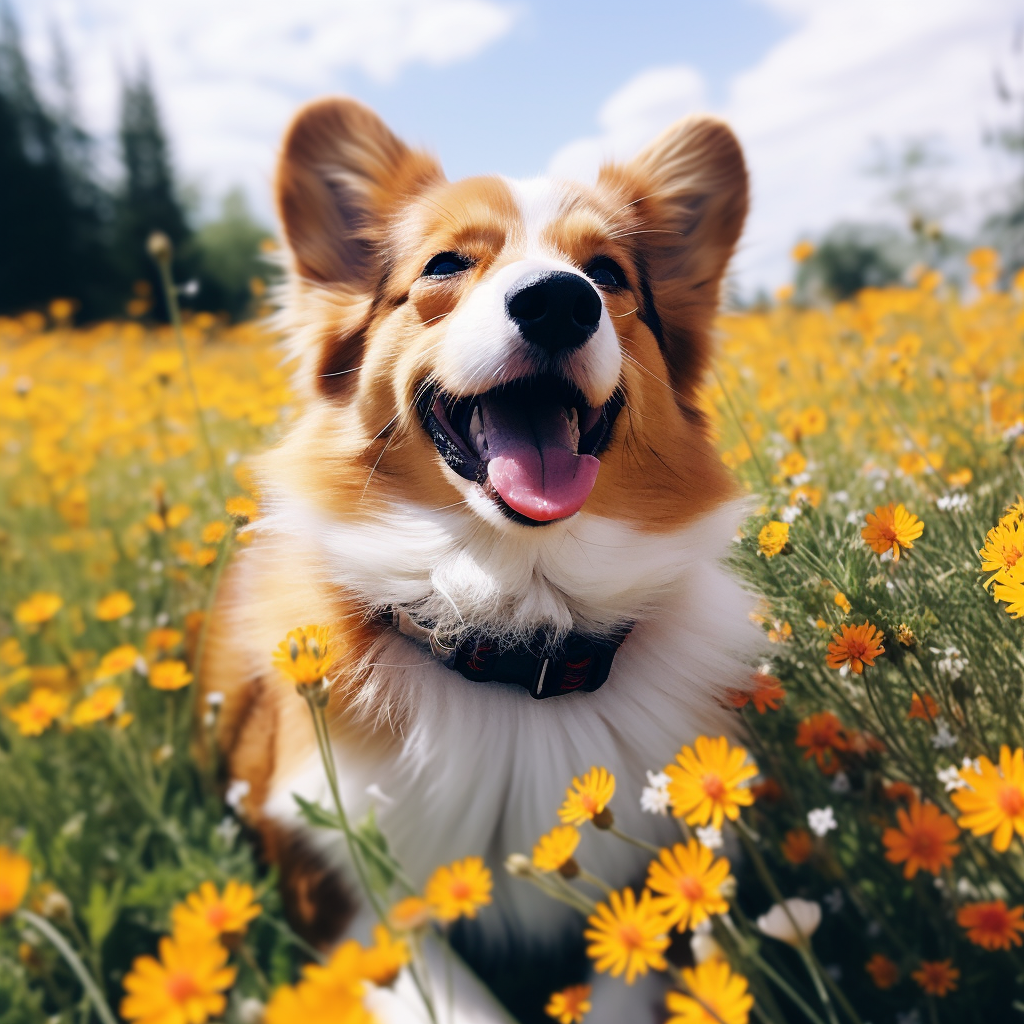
[742,429]
[598,883]
[641,843]
[72,959]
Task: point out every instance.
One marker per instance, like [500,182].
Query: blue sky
[522,87]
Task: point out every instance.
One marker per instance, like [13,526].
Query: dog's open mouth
[532,444]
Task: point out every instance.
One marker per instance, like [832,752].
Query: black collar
[578,662]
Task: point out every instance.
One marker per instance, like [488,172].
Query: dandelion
[627,935]
[654,798]
[992,925]
[305,655]
[993,800]
[797,846]
[39,608]
[554,850]
[924,840]
[208,914]
[15,873]
[855,647]
[766,695]
[687,882]
[822,737]
[570,1005]
[38,713]
[186,984]
[936,977]
[884,973]
[773,538]
[923,707]
[792,922]
[459,890]
[169,675]
[709,782]
[99,705]
[119,660]
[717,996]
[115,606]
[892,528]
[822,820]
[587,798]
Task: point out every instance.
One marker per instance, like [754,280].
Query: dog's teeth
[573,418]
[476,431]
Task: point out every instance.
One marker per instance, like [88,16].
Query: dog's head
[531,349]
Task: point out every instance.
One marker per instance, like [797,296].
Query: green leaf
[316,815]
[370,836]
[101,911]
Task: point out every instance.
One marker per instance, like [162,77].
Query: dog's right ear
[340,174]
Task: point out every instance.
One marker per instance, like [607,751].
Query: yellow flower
[242,509]
[115,606]
[774,536]
[717,996]
[100,704]
[160,641]
[570,1005]
[305,655]
[627,936]
[409,913]
[459,889]
[687,882]
[326,994]
[588,797]
[556,848]
[184,986]
[39,712]
[176,515]
[11,653]
[39,608]
[208,914]
[213,533]
[892,528]
[1008,586]
[382,962]
[169,675]
[994,798]
[119,660]
[1003,549]
[15,873]
[792,464]
[708,783]
[843,602]
[803,250]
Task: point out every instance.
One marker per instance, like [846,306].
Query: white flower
[953,502]
[854,517]
[1011,433]
[971,764]
[703,944]
[840,783]
[215,698]
[822,820]
[800,479]
[943,738]
[710,837]
[789,513]
[952,665]
[140,666]
[779,924]
[228,830]
[842,497]
[237,791]
[654,798]
[950,777]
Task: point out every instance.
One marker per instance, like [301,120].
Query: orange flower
[936,977]
[992,925]
[767,694]
[884,973]
[890,528]
[855,646]
[208,914]
[798,846]
[924,839]
[709,782]
[169,675]
[900,791]
[823,737]
[923,707]
[570,1005]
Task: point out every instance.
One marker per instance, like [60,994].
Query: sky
[815,89]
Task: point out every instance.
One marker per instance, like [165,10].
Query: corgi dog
[502,496]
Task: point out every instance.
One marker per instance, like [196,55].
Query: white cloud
[230,72]
[850,73]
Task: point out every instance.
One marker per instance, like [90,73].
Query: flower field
[859,858]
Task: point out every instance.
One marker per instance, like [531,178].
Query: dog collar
[580,662]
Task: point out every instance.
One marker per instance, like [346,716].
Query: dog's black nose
[555,310]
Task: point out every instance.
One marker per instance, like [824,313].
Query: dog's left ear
[688,194]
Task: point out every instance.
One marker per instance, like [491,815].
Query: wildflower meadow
[852,854]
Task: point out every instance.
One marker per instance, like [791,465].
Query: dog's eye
[606,273]
[445,264]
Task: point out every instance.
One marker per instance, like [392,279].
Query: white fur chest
[481,768]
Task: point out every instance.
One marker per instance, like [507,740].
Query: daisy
[1003,549]
[855,646]
[587,798]
[627,936]
[208,914]
[891,528]
[717,996]
[554,850]
[570,1005]
[924,840]
[936,977]
[709,782]
[100,704]
[993,800]
[822,738]
[325,994]
[459,889]
[687,882]
[992,925]
[767,694]
[35,715]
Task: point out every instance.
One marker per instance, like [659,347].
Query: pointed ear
[688,193]
[340,174]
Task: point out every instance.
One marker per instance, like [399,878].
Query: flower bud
[518,865]
[778,924]
[604,819]
[570,869]
[158,245]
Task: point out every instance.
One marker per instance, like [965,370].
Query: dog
[502,493]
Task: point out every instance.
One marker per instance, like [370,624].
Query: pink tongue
[533,464]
